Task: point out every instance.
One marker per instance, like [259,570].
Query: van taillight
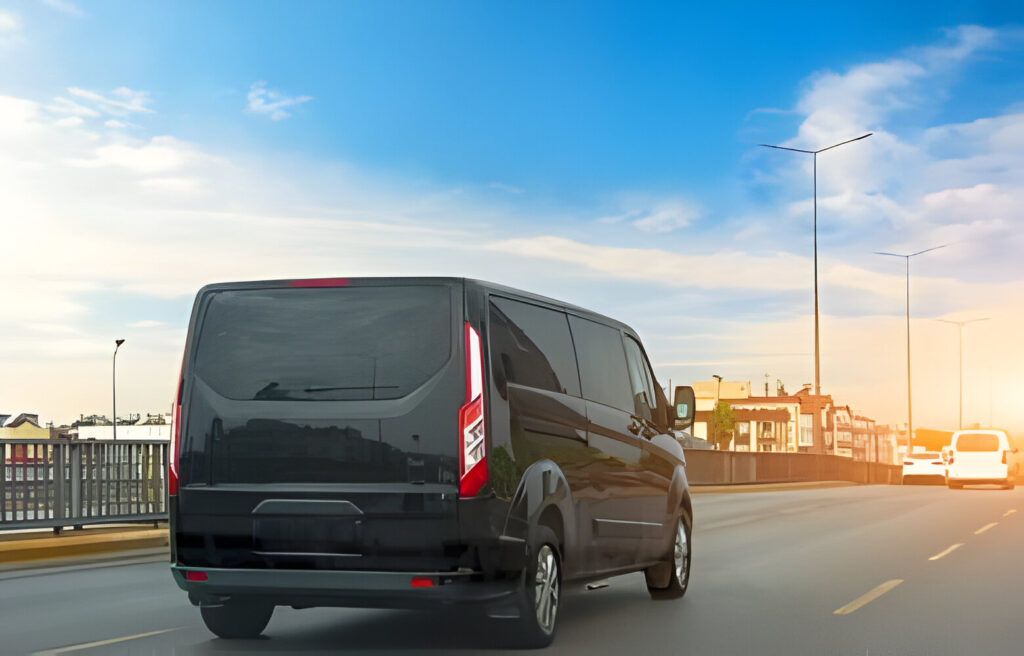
[172,455]
[1004,456]
[473,447]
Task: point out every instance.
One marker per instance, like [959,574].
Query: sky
[605,154]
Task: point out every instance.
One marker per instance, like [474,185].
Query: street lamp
[960,338]
[117,345]
[817,351]
[910,407]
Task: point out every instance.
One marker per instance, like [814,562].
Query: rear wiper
[333,389]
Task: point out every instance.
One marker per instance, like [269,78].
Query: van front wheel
[237,619]
[679,578]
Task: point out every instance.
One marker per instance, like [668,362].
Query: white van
[979,457]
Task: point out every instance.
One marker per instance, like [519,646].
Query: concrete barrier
[706,467]
[22,550]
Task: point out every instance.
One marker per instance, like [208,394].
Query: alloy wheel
[546,589]
[681,553]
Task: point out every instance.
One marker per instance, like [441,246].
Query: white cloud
[64,106]
[9,22]
[65,6]
[158,155]
[182,185]
[147,323]
[10,30]
[658,216]
[122,100]
[272,103]
[112,123]
[501,186]
[69,122]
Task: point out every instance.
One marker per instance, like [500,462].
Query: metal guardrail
[58,483]
[704,467]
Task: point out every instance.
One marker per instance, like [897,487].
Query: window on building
[806,430]
[742,435]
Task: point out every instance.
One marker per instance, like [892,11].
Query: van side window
[533,347]
[642,382]
[603,373]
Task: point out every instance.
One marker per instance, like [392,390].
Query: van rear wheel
[237,619]
[541,593]
[680,557]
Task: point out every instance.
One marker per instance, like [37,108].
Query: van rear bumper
[344,588]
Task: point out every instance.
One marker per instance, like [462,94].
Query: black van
[417,442]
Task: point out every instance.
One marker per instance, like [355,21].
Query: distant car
[924,467]
[981,457]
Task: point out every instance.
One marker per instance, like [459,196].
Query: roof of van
[346,281]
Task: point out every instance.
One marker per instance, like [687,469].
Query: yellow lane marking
[101,643]
[868,598]
[985,528]
[947,551]
[1009,512]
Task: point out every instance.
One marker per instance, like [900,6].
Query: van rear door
[979,455]
[320,426]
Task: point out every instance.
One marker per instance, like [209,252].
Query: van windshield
[324,344]
[978,442]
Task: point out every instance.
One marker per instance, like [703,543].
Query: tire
[679,562]
[541,591]
[237,619]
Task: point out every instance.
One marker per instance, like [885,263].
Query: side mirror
[685,406]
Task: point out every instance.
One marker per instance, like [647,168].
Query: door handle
[634,427]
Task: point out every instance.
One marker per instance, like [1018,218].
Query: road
[770,572]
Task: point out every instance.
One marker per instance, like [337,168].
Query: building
[790,423]
[150,427]
[23,427]
[802,422]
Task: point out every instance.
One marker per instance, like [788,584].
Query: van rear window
[977,442]
[324,344]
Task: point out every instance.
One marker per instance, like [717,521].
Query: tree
[721,425]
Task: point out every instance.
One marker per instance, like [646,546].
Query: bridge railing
[708,467]
[57,483]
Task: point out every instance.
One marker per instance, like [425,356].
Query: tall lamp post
[910,405]
[117,345]
[817,350]
[960,338]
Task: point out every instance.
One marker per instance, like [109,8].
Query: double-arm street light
[817,350]
[910,405]
[960,338]
[117,345]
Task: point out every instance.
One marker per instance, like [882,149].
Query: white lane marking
[101,643]
[985,528]
[1009,512]
[867,598]
[947,551]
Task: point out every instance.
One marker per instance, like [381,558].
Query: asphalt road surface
[864,571]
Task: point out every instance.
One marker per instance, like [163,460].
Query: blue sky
[604,153]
